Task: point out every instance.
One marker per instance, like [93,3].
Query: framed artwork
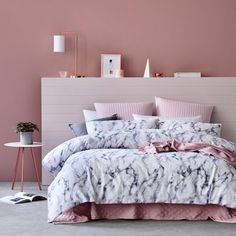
[110,65]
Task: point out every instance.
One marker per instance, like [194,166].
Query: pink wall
[177,36]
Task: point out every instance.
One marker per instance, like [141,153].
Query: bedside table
[20,155]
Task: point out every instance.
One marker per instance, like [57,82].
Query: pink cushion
[171,108]
[124,110]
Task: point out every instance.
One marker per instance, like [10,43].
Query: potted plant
[26,130]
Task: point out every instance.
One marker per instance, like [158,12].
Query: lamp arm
[75,34]
[76,54]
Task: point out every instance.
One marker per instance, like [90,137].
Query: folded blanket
[175,146]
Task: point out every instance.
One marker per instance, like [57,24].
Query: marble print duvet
[108,168]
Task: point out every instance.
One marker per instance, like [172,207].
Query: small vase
[26,138]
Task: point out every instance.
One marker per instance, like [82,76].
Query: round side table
[20,155]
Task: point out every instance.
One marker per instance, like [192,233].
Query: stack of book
[187,75]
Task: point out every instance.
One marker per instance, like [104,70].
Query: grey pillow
[79,129]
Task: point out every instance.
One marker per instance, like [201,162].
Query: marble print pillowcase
[162,119]
[122,125]
[195,127]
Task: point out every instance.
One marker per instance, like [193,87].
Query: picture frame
[110,65]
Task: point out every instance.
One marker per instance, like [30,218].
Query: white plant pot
[26,138]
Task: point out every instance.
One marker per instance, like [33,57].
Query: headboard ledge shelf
[63,100]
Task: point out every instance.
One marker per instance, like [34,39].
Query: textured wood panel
[64,99]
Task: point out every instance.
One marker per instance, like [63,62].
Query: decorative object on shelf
[187,75]
[119,73]
[148,71]
[158,74]
[110,65]
[59,47]
[63,74]
[26,130]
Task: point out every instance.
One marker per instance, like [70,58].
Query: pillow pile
[172,115]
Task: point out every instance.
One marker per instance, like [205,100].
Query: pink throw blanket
[174,146]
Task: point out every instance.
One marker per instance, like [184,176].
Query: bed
[115,174]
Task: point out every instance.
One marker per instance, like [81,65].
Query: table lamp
[59,47]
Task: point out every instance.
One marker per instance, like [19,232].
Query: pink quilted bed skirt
[91,211]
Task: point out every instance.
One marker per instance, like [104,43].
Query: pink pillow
[171,108]
[124,110]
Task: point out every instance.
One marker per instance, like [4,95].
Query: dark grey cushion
[79,129]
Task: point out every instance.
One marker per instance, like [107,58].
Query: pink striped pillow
[124,110]
[171,108]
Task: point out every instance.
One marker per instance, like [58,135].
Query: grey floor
[31,220]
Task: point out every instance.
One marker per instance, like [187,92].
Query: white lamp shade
[59,43]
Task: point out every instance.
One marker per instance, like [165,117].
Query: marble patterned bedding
[108,168]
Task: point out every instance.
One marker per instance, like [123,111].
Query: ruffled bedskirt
[91,211]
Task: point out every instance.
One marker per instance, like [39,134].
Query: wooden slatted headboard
[64,99]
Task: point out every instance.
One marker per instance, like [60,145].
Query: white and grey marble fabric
[108,168]
[207,128]
[163,119]
[120,125]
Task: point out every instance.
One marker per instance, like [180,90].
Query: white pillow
[162,119]
[193,127]
[89,115]
[119,125]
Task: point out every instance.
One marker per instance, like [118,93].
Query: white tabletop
[18,144]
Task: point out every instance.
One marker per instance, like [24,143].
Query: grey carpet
[31,219]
